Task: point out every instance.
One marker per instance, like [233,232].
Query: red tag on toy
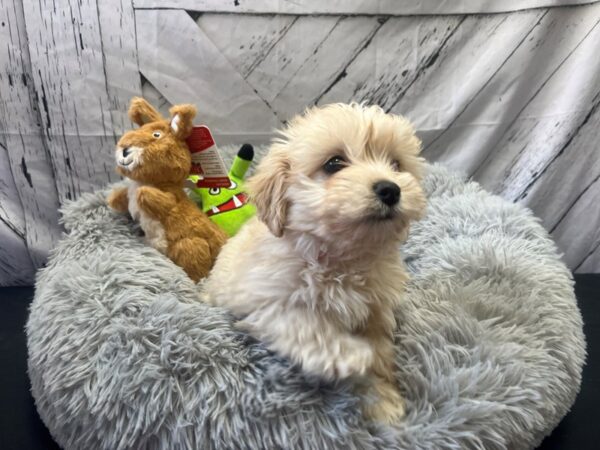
[206,160]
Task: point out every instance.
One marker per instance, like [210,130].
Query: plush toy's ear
[182,117]
[267,189]
[142,112]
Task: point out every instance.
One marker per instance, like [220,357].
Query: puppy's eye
[334,165]
[157,134]
[214,191]
[395,166]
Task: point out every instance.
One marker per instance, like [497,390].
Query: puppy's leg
[311,341]
[383,401]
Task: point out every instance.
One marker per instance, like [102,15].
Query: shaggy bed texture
[489,349]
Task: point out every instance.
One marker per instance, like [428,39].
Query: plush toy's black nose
[387,192]
[126,152]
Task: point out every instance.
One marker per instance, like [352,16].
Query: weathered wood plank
[347,39]
[280,65]
[578,234]
[591,263]
[337,7]
[440,90]
[195,71]
[11,211]
[475,132]
[245,40]
[69,75]
[287,75]
[569,173]
[155,98]
[400,50]
[119,49]
[547,124]
[16,268]
[27,156]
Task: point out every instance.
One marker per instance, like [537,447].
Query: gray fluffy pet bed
[489,350]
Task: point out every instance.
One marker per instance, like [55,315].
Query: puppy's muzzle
[387,192]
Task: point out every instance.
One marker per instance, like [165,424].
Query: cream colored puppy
[317,274]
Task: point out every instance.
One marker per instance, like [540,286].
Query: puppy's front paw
[355,357]
[383,402]
[387,410]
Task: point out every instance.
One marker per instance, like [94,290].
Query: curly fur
[325,273]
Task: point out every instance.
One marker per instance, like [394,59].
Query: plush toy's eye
[157,134]
[214,191]
[334,165]
[233,184]
[396,165]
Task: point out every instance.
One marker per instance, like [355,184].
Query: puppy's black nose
[387,192]
[126,152]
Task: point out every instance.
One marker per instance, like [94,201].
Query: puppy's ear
[267,190]
[182,117]
[142,112]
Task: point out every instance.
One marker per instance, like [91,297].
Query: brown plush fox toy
[156,159]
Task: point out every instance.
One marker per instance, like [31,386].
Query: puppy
[317,274]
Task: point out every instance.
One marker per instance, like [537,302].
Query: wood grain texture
[16,267]
[483,122]
[69,75]
[444,87]
[119,51]
[198,73]
[27,158]
[402,48]
[365,7]
[572,171]
[325,63]
[287,70]
[511,99]
[591,261]
[534,137]
[579,247]
[245,40]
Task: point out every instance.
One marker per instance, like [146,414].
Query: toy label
[206,160]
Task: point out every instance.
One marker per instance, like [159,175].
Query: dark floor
[22,429]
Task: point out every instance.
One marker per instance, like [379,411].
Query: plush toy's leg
[118,200]
[193,255]
[154,202]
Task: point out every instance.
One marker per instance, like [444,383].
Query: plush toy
[229,207]
[156,160]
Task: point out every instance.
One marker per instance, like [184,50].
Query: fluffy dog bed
[489,350]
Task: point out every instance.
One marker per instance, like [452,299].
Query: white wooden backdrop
[506,91]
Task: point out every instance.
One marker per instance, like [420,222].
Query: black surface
[580,429]
[21,427]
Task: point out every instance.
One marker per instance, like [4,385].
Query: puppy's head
[342,173]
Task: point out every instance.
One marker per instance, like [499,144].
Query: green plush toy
[229,207]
